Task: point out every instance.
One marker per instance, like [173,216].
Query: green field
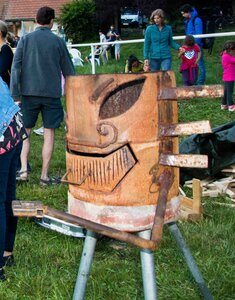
[47,262]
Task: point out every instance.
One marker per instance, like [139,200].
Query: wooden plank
[191,209]
[210,193]
[229,169]
[28,208]
[187,202]
[191,92]
[197,195]
[189,128]
[184,160]
[190,216]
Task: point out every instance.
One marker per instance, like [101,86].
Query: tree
[78,20]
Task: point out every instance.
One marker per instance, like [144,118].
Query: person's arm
[15,85]
[147,44]
[172,43]
[181,52]
[117,35]
[66,63]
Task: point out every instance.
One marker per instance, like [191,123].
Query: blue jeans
[8,223]
[160,64]
[202,69]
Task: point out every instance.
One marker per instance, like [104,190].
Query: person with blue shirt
[157,43]
[194,26]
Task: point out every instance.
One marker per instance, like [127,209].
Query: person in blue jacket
[193,26]
[157,43]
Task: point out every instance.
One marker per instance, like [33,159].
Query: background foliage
[78,19]
[81,22]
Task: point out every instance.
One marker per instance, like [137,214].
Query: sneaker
[223,107]
[2,275]
[231,107]
[39,131]
[8,261]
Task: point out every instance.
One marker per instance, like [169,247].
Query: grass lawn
[47,262]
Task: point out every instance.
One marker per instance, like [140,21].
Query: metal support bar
[165,182]
[148,270]
[20,209]
[85,265]
[190,261]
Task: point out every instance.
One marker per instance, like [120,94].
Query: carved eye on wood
[121,99]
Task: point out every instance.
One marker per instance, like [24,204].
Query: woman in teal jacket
[157,43]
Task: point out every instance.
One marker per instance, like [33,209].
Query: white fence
[181,37]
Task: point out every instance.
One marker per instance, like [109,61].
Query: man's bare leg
[24,156]
[47,150]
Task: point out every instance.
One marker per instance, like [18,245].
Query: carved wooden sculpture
[122,147]
[122,155]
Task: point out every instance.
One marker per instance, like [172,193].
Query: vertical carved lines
[100,173]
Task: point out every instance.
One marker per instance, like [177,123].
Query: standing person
[117,49]
[112,36]
[6,54]
[157,42]
[6,57]
[103,47]
[12,132]
[39,59]
[194,25]
[228,64]
[190,58]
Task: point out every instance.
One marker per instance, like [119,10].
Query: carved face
[114,141]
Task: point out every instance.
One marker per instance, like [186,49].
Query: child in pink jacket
[228,64]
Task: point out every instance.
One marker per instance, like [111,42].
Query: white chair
[76,57]
[97,59]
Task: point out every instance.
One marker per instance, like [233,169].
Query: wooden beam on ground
[191,209]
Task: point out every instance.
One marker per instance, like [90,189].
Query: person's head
[157,17]
[229,46]
[100,32]
[3,30]
[112,27]
[186,11]
[189,40]
[45,15]
[133,62]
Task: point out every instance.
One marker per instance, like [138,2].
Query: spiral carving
[108,130]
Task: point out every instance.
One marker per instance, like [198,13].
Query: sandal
[50,181]
[19,176]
